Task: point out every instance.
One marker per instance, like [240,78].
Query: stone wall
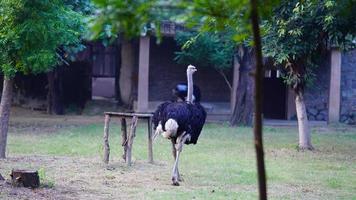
[348,88]
[317,95]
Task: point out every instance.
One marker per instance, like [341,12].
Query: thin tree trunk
[303,123]
[258,103]
[5,107]
[298,68]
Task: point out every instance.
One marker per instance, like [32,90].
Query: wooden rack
[127,138]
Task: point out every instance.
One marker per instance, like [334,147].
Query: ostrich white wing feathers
[171,128]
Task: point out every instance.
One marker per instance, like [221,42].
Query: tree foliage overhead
[205,49]
[131,18]
[300,30]
[83,6]
[225,15]
[134,17]
[33,34]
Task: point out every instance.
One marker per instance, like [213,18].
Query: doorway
[274,96]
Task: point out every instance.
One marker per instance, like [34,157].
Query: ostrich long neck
[190,87]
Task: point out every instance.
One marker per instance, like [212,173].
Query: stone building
[331,98]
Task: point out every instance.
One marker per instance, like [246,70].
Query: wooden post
[124,137]
[131,136]
[150,151]
[143,71]
[335,82]
[106,139]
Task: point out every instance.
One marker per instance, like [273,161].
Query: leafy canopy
[300,30]
[225,15]
[33,34]
[131,18]
[205,49]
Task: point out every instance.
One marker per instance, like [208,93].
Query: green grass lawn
[222,164]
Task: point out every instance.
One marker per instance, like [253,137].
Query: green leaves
[300,30]
[206,49]
[33,31]
[129,17]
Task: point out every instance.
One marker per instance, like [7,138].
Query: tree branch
[225,78]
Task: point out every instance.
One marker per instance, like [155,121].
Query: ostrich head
[191,69]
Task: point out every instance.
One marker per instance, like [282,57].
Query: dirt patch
[84,178]
[77,177]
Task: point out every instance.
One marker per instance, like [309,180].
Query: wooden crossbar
[120,114]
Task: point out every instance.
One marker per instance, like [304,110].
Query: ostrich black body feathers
[189,117]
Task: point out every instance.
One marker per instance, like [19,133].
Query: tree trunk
[54,101]
[298,68]
[243,108]
[262,185]
[50,94]
[303,124]
[5,106]
[126,72]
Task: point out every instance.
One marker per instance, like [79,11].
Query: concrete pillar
[235,83]
[291,110]
[335,83]
[143,74]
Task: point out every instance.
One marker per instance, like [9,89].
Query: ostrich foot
[175,181]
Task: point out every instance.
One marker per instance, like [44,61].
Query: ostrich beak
[193,68]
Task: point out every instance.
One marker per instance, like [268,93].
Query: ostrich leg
[174,153]
[155,136]
[178,147]
[157,132]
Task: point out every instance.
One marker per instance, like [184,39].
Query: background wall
[317,95]
[165,74]
[348,88]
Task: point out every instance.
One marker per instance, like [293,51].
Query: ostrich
[181,122]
